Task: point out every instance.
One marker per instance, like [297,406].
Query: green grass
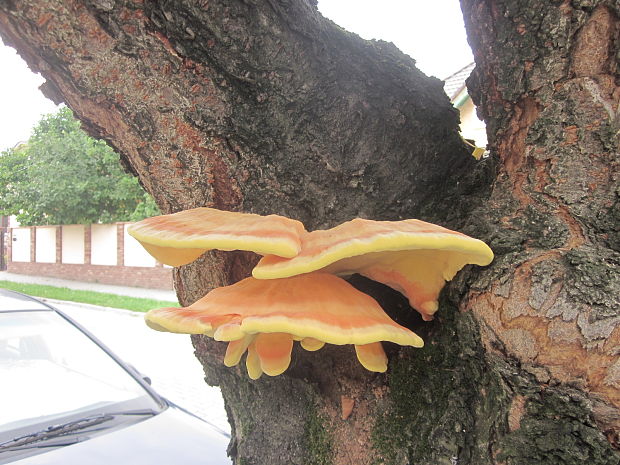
[88,297]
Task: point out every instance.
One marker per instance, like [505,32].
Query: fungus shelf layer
[264,317]
[180,238]
[411,256]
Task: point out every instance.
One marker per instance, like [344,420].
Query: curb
[119,311]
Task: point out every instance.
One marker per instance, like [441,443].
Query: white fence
[74,242]
[101,253]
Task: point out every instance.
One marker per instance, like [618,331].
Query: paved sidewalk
[158,294]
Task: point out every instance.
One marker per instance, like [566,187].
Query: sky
[21,102]
[431,32]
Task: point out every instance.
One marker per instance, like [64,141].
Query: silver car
[66,399]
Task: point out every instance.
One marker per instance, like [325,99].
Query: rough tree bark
[264,106]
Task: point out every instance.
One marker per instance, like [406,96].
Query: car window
[49,369]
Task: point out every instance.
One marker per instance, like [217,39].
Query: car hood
[172,436]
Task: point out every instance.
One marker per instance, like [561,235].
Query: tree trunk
[547,84]
[264,106]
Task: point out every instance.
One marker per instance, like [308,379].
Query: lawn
[88,297]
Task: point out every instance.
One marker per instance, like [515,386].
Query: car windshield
[50,370]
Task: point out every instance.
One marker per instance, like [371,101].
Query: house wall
[471,126]
[93,253]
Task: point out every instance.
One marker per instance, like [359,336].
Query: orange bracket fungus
[180,238]
[294,294]
[264,317]
[411,256]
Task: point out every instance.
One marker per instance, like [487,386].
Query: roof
[454,83]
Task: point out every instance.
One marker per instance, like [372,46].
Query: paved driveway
[168,359]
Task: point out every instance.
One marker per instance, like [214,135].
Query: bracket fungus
[264,317]
[180,238]
[411,256]
[294,294]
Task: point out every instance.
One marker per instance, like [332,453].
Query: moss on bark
[450,403]
[317,439]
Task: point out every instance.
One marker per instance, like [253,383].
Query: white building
[471,126]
